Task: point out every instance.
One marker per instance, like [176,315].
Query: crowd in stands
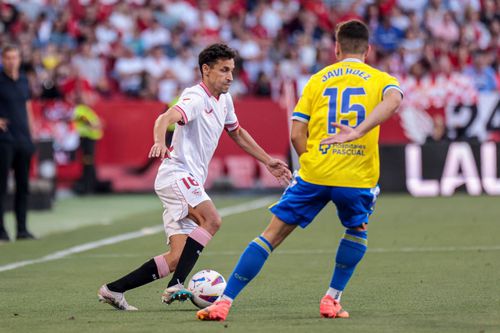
[148,48]
[77,51]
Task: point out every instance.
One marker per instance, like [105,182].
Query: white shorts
[177,190]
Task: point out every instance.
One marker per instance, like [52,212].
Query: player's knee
[359,227]
[362,227]
[212,223]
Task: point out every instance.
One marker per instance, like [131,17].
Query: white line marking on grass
[318,251]
[224,212]
[437,249]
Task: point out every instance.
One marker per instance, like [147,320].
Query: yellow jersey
[345,92]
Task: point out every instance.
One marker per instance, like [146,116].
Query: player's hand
[279,169]
[159,150]
[346,134]
[3,124]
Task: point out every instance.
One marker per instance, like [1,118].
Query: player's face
[11,61]
[220,76]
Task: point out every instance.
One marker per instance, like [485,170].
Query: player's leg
[255,256]
[209,221]
[182,228]
[154,269]
[249,265]
[6,151]
[185,199]
[300,203]
[177,227]
[354,207]
[21,165]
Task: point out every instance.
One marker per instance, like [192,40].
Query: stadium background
[130,59]
[432,264]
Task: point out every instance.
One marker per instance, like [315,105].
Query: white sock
[226,298]
[336,294]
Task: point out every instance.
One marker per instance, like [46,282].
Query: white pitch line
[224,212]
[322,251]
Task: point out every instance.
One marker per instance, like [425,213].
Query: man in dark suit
[16,145]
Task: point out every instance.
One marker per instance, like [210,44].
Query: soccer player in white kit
[190,218]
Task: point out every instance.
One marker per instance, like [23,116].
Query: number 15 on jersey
[346,108]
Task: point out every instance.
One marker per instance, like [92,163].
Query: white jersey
[204,117]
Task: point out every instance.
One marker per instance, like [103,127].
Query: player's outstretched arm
[278,168]
[159,148]
[383,111]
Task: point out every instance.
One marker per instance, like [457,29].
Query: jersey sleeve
[231,122]
[390,82]
[190,105]
[302,111]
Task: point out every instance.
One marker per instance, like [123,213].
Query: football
[207,286]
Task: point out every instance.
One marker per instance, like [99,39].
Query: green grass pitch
[433,266]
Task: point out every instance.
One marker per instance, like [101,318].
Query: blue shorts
[302,201]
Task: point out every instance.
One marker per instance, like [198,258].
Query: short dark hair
[8,48]
[352,36]
[211,54]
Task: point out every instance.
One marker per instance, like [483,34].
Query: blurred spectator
[386,36]
[155,35]
[182,12]
[121,20]
[129,70]
[324,57]
[434,14]
[51,57]
[372,16]
[89,127]
[135,42]
[43,26]
[105,35]
[399,19]
[156,64]
[490,14]
[262,85]
[474,31]
[481,72]
[185,66]
[445,29]
[74,86]
[91,68]
[412,47]
[459,7]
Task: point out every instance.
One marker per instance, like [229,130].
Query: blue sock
[351,249]
[249,265]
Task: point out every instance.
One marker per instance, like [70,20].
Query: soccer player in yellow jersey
[335,132]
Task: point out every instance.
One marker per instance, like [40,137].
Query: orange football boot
[331,308]
[215,312]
